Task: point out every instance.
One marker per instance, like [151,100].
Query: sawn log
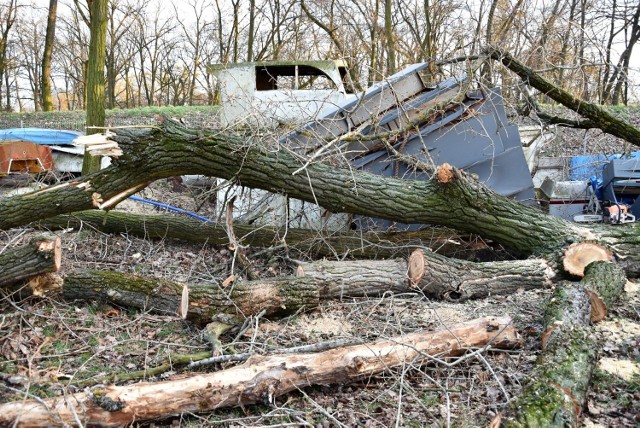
[41,255]
[442,278]
[557,389]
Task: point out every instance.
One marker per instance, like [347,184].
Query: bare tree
[47,102]
[8,14]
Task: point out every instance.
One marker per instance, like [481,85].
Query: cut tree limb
[442,278]
[276,296]
[259,380]
[556,393]
[324,280]
[434,275]
[41,255]
[311,242]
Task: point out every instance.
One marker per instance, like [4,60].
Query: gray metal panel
[344,117]
[474,134]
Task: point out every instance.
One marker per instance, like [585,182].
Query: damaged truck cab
[267,94]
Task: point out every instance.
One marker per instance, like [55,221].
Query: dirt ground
[50,347]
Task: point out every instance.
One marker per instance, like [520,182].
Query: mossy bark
[41,255]
[559,381]
[211,302]
[311,242]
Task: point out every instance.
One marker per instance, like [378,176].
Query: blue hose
[170,208]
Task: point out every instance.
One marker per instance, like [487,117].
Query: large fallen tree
[451,198]
[259,380]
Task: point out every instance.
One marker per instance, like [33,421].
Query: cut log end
[445,173]
[415,268]
[578,256]
[53,246]
[598,307]
[184,303]
[47,283]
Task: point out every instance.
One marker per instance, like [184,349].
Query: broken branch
[259,380]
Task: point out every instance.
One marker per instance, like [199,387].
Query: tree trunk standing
[251,35]
[259,380]
[110,59]
[388,31]
[374,42]
[8,19]
[625,58]
[47,102]
[95,77]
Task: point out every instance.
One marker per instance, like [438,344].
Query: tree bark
[95,77]
[559,381]
[310,242]
[207,302]
[451,198]
[459,202]
[47,102]
[41,255]
[259,380]
[440,277]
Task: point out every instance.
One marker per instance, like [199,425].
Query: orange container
[23,156]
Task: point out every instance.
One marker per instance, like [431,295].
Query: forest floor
[49,346]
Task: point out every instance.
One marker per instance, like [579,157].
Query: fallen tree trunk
[451,198]
[439,278]
[259,380]
[322,243]
[434,275]
[207,303]
[558,387]
[41,255]
[599,117]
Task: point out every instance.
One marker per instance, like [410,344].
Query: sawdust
[632,287]
[588,423]
[625,369]
[619,329]
[324,325]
